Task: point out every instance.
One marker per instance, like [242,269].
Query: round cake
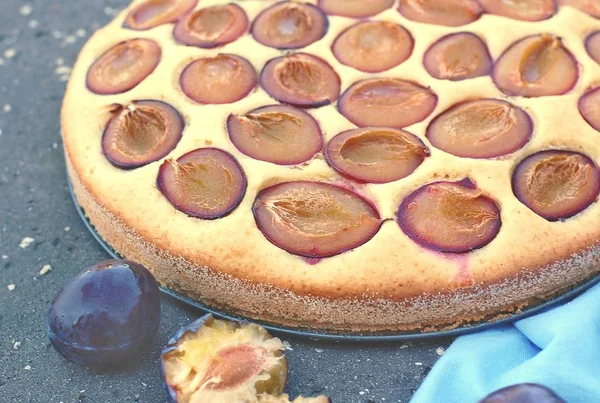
[345,165]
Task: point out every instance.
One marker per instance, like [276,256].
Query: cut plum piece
[278,134]
[484,128]
[315,219]
[140,133]
[591,7]
[452,217]
[523,393]
[457,57]
[222,79]
[592,45]
[212,360]
[376,155]
[301,80]
[213,26]
[355,8]
[289,25]
[557,184]
[123,66]
[452,13]
[387,102]
[536,66]
[206,183]
[589,107]
[373,46]
[524,10]
[153,13]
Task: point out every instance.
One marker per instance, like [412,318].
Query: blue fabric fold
[559,348]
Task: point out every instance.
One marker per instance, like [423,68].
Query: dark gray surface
[35,202]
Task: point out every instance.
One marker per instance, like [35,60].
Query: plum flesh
[123,66]
[450,13]
[589,107]
[376,155]
[592,45]
[105,316]
[278,134]
[524,10]
[355,8]
[153,13]
[591,7]
[523,393]
[210,27]
[315,219]
[452,217]
[207,183]
[556,184]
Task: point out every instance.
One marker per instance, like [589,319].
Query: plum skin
[520,392]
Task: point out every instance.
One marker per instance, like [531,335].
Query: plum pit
[590,7]
[450,13]
[153,13]
[355,8]
[524,10]
[210,27]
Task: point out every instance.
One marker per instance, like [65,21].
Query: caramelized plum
[376,155]
[279,134]
[140,133]
[589,107]
[592,45]
[453,217]
[556,184]
[222,79]
[213,26]
[387,102]
[591,7]
[206,183]
[457,57]
[484,128]
[523,393]
[153,13]
[452,13]
[525,10]
[373,46]
[355,8]
[123,66]
[536,66]
[315,219]
[289,25]
[301,80]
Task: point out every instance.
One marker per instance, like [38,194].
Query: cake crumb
[7,108]
[67,229]
[80,32]
[16,345]
[45,269]
[418,364]
[402,347]
[27,367]
[60,61]
[439,351]
[11,287]
[26,242]
[4,257]
[25,10]
[287,345]
[63,69]
[33,24]
[70,39]
[319,350]
[10,53]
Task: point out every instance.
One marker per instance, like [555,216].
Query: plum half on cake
[357,165]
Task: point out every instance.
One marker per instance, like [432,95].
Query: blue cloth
[559,348]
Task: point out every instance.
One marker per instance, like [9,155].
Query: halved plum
[355,8]
[452,13]
[289,25]
[140,133]
[279,134]
[206,183]
[524,10]
[375,154]
[452,217]
[373,46]
[315,219]
[301,80]
[591,7]
[123,66]
[557,184]
[483,128]
[523,393]
[222,79]
[213,26]
[387,102]
[589,107]
[592,45]
[153,13]
[536,66]
[457,57]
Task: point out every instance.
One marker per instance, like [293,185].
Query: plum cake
[345,165]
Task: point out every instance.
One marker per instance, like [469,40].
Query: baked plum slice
[556,184]
[301,80]
[153,13]
[524,10]
[210,27]
[355,8]
[523,393]
[375,154]
[373,46]
[123,66]
[315,219]
[206,183]
[140,133]
[458,56]
[387,102]
[452,13]
[589,107]
[536,66]
[279,134]
[591,7]
[592,45]
[289,25]
[452,217]
[222,79]
[484,128]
